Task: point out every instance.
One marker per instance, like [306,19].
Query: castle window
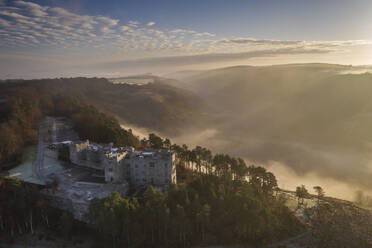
[110,169]
[152,180]
[152,164]
[166,165]
[136,166]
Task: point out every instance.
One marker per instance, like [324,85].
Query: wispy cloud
[32,8]
[209,57]
[30,27]
[4,23]
[252,41]
[133,23]
[108,21]
[124,28]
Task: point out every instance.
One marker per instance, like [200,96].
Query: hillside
[158,105]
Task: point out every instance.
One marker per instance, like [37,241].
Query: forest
[218,199]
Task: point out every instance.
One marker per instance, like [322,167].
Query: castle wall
[138,168]
[157,169]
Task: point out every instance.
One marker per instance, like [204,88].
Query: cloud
[133,23]
[69,29]
[124,28]
[87,25]
[4,23]
[252,41]
[108,21]
[61,12]
[179,30]
[13,15]
[207,58]
[205,34]
[60,17]
[106,30]
[33,8]
[58,29]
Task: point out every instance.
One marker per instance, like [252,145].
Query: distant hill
[158,105]
[183,75]
[206,82]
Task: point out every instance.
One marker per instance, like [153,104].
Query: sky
[110,38]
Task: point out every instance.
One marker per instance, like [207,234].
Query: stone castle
[125,164]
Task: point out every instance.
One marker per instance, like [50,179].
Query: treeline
[228,203]
[22,104]
[201,160]
[204,211]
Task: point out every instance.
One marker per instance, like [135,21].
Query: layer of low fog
[309,124]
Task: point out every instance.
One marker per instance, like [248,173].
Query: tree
[269,183]
[320,192]
[197,151]
[301,193]
[155,141]
[167,144]
[241,170]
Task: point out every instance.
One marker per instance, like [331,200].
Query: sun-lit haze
[165,123]
[48,38]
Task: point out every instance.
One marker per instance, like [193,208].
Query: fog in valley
[166,123]
[309,124]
